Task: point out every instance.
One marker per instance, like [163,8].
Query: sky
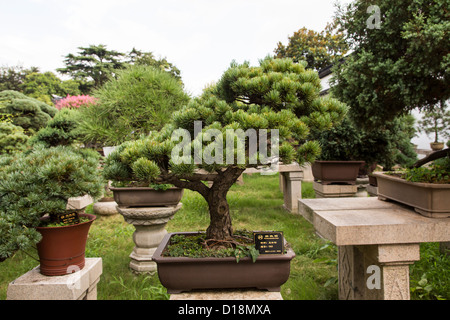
[200,37]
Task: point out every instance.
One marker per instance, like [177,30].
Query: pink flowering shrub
[74,102]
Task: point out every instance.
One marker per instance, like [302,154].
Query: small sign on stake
[269,242]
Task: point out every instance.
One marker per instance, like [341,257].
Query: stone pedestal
[80,285]
[292,189]
[334,190]
[150,223]
[377,272]
[228,295]
[377,242]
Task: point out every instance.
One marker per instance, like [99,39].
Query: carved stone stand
[150,223]
[377,241]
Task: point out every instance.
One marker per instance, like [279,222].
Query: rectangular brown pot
[146,197]
[428,199]
[269,272]
[328,172]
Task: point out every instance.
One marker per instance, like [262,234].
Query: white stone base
[81,285]
[228,295]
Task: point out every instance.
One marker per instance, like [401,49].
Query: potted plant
[425,188]
[350,144]
[251,116]
[34,191]
[436,121]
[132,185]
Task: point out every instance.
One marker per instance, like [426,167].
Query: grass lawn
[257,205]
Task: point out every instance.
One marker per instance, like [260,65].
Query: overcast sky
[200,37]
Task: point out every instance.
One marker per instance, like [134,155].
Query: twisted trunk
[220,227]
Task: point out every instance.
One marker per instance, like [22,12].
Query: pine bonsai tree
[38,183]
[216,136]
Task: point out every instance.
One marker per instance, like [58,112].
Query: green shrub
[61,130]
[12,138]
[38,183]
[140,99]
[28,113]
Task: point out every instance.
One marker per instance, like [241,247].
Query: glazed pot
[147,197]
[62,249]
[429,199]
[181,274]
[337,172]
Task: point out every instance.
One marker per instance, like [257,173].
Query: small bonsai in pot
[252,115]
[436,121]
[34,190]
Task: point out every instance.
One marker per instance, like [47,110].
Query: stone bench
[377,241]
[80,285]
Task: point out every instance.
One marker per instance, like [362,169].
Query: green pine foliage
[40,182]
[138,100]
[61,130]
[12,138]
[278,94]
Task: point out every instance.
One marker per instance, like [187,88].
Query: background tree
[318,49]
[148,59]
[140,99]
[278,94]
[402,65]
[92,66]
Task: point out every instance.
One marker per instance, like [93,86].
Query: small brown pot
[269,272]
[62,249]
[343,172]
[147,197]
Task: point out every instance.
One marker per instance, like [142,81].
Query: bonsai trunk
[220,219]
[220,227]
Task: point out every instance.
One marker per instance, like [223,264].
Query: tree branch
[433,156]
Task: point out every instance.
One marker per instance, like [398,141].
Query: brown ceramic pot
[429,199]
[269,272]
[62,249]
[344,172]
[147,197]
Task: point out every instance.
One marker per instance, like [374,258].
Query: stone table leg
[292,189]
[376,272]
[150,223]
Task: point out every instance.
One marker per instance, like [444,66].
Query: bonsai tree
[386,146]
[38,183]
[436,121]
[254,116]
[140,99]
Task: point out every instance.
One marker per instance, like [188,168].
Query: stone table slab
[377,241]
[367,221]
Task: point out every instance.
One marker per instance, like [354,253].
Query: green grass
[257,205]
